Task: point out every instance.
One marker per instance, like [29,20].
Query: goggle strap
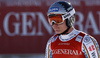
[68,15]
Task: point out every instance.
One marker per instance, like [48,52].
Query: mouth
[56,29]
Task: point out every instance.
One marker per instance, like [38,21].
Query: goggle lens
[57,19]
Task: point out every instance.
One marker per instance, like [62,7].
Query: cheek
[64,26]
[54,27]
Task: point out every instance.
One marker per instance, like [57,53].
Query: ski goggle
[56,18]
[59,18]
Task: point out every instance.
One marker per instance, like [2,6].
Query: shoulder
[90,46]
[51,39]
[88,39]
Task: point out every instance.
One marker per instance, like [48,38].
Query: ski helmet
[65,9]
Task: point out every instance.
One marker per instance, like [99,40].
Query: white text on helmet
[67,15]
[70,8]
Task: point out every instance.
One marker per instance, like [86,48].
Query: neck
[68,30]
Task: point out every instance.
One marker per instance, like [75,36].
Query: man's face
[59,28]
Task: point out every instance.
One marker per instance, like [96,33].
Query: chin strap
[65,32]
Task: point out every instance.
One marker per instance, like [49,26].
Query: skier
[68,42]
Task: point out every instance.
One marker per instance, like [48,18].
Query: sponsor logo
[66,51]
[86,40]
[70,8]
[93,55]
[79,38]
[64,44]
[54,9]
[66,15]
[91,48]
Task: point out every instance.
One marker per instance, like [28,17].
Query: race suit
[76,44]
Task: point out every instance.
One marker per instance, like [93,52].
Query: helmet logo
[54,9]
[66,15]
[69,14]
[70,8]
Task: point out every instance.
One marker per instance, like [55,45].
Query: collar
[70,35]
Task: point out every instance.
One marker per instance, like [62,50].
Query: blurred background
[24,27]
